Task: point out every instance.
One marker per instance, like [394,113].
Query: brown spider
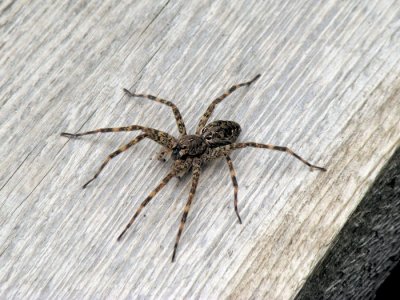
[217,139]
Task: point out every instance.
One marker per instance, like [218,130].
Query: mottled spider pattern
[189,152]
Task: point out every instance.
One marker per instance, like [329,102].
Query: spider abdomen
[220,133]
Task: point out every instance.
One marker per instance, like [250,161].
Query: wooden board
[330,89]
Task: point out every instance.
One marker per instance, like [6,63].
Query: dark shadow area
[390,288]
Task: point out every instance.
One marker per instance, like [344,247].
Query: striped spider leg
[235,185]
[165,152]
[158,136]
[204,119]
[180,166]
[214,153]
[196,169]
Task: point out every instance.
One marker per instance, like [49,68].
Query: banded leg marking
[175,110]
[163,183]
[235,185]
[211,107]
[114,154]
[195,181]
[223,150]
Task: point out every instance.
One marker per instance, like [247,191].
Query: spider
[189,151]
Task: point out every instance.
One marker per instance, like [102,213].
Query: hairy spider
[215,140]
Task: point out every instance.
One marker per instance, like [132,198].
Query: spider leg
[158,136]
[163,183]
[223,150]
[175,110]
[235,185]
[114,154]
[164,154]
[104,130]
[195,179]
[211,107]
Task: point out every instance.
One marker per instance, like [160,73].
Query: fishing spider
[189,151]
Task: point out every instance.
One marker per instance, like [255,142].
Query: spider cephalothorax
[189,146]
[215,140]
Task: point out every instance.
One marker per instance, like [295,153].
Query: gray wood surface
[330,89]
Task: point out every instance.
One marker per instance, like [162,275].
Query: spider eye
[175,153]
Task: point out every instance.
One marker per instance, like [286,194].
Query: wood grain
[330,90]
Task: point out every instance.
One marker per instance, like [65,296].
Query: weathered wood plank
[329,89]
